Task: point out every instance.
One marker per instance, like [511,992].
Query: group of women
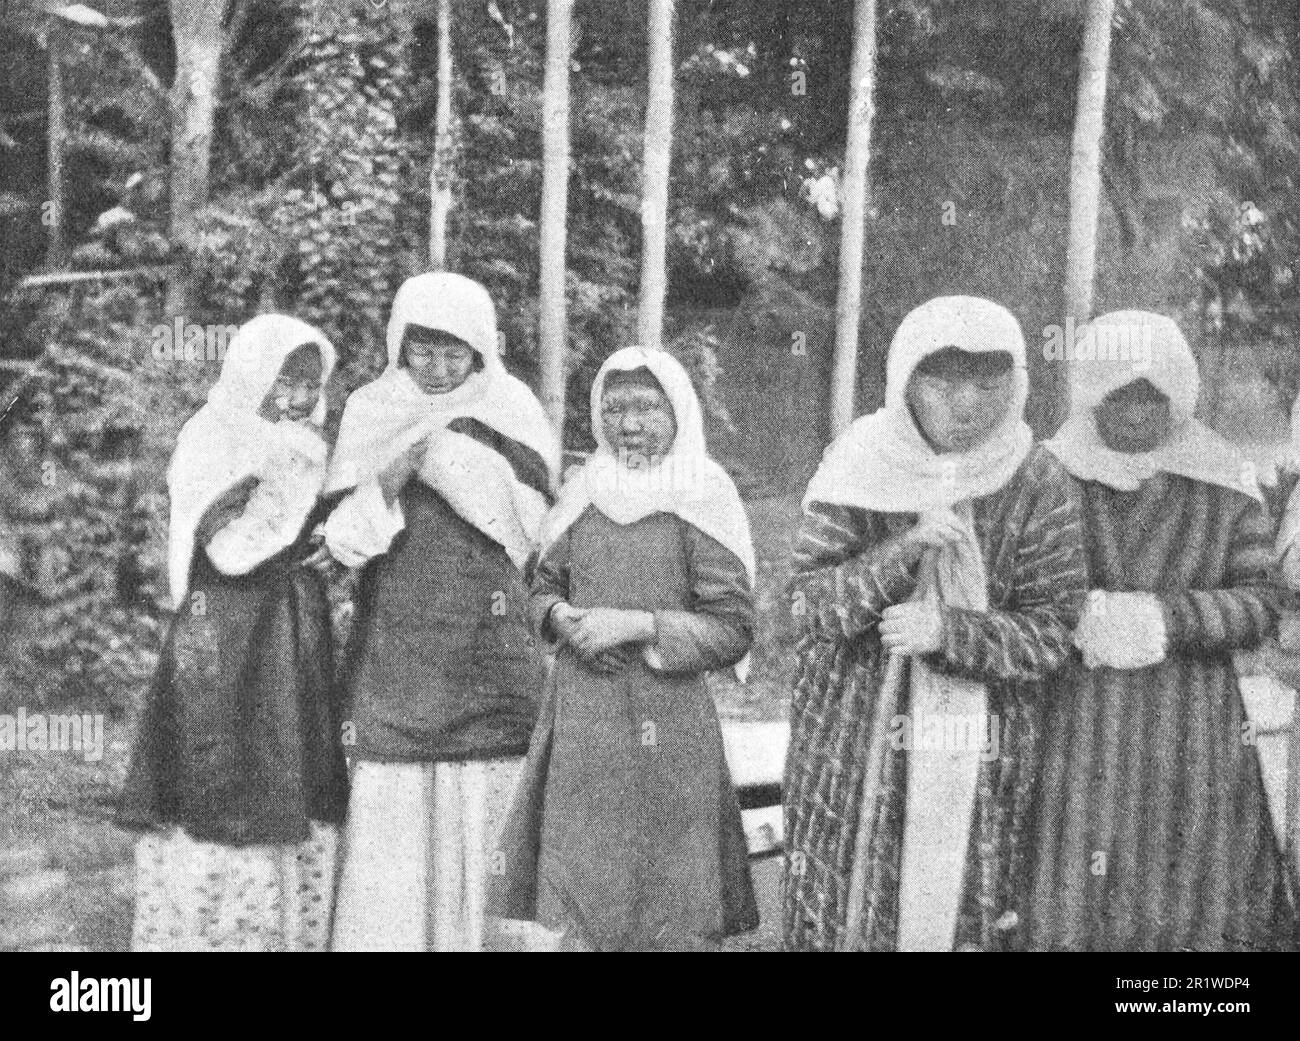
[535,762]
[1082,598]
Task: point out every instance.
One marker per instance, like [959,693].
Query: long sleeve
[246,542]
[363,525]
[1029,637]
[269,522]
[550,586]
[847,570]
[718,629]
[1241,614]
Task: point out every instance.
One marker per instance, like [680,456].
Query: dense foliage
[320,195]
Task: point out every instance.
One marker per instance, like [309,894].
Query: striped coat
[1152,829]
[847,570]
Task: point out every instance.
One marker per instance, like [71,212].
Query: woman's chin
[962,442]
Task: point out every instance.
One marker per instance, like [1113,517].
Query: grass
[64,805]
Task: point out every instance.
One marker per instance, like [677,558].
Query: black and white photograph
[711,476]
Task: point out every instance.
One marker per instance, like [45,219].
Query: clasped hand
[934,530]
[912,629]
[603,637]
[916,628]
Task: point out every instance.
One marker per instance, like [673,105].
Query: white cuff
[245,543]
[1122,630]
[363,526]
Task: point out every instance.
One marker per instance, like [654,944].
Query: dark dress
[626,829]
[1153,830]
[847,570]
[442,665]
[239,742]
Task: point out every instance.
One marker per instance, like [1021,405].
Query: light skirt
[419,847]
[202,896]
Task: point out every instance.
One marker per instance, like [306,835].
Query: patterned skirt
[419,845]
[202,896]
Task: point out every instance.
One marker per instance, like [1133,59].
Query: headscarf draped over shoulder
[883,463]
[391,414]
[227,441]
[686,482]
[1115,350]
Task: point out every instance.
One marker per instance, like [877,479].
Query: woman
[1153,831]
[626,833]
[937,576]
[238,773]
[448,462]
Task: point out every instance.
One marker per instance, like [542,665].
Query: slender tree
[854,187]
[552,334]
[1292,830]
[56,256]
[654,176]
[199,35]
[1085,166]
[440,170]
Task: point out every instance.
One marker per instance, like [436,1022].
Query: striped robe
[847,570]
[1152,827]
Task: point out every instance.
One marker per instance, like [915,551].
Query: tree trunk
[857,157]
[1292,830]
[552,335]
[654,176]
[1085,175]
[199,37]
[440,171]
[58,131]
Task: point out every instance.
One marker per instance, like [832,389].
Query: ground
[65,870]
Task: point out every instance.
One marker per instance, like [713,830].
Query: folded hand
[911,629]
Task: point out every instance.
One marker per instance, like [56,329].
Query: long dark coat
[1153,830]
[627,830]
[848,569]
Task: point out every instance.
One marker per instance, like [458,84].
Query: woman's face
[637,420]
[438,361]
[297,388]
[958,398]
[1134,418]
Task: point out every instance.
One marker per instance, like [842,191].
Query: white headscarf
[883,463]
[685,482]
[389,415]
[1115,350]
[227,441]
